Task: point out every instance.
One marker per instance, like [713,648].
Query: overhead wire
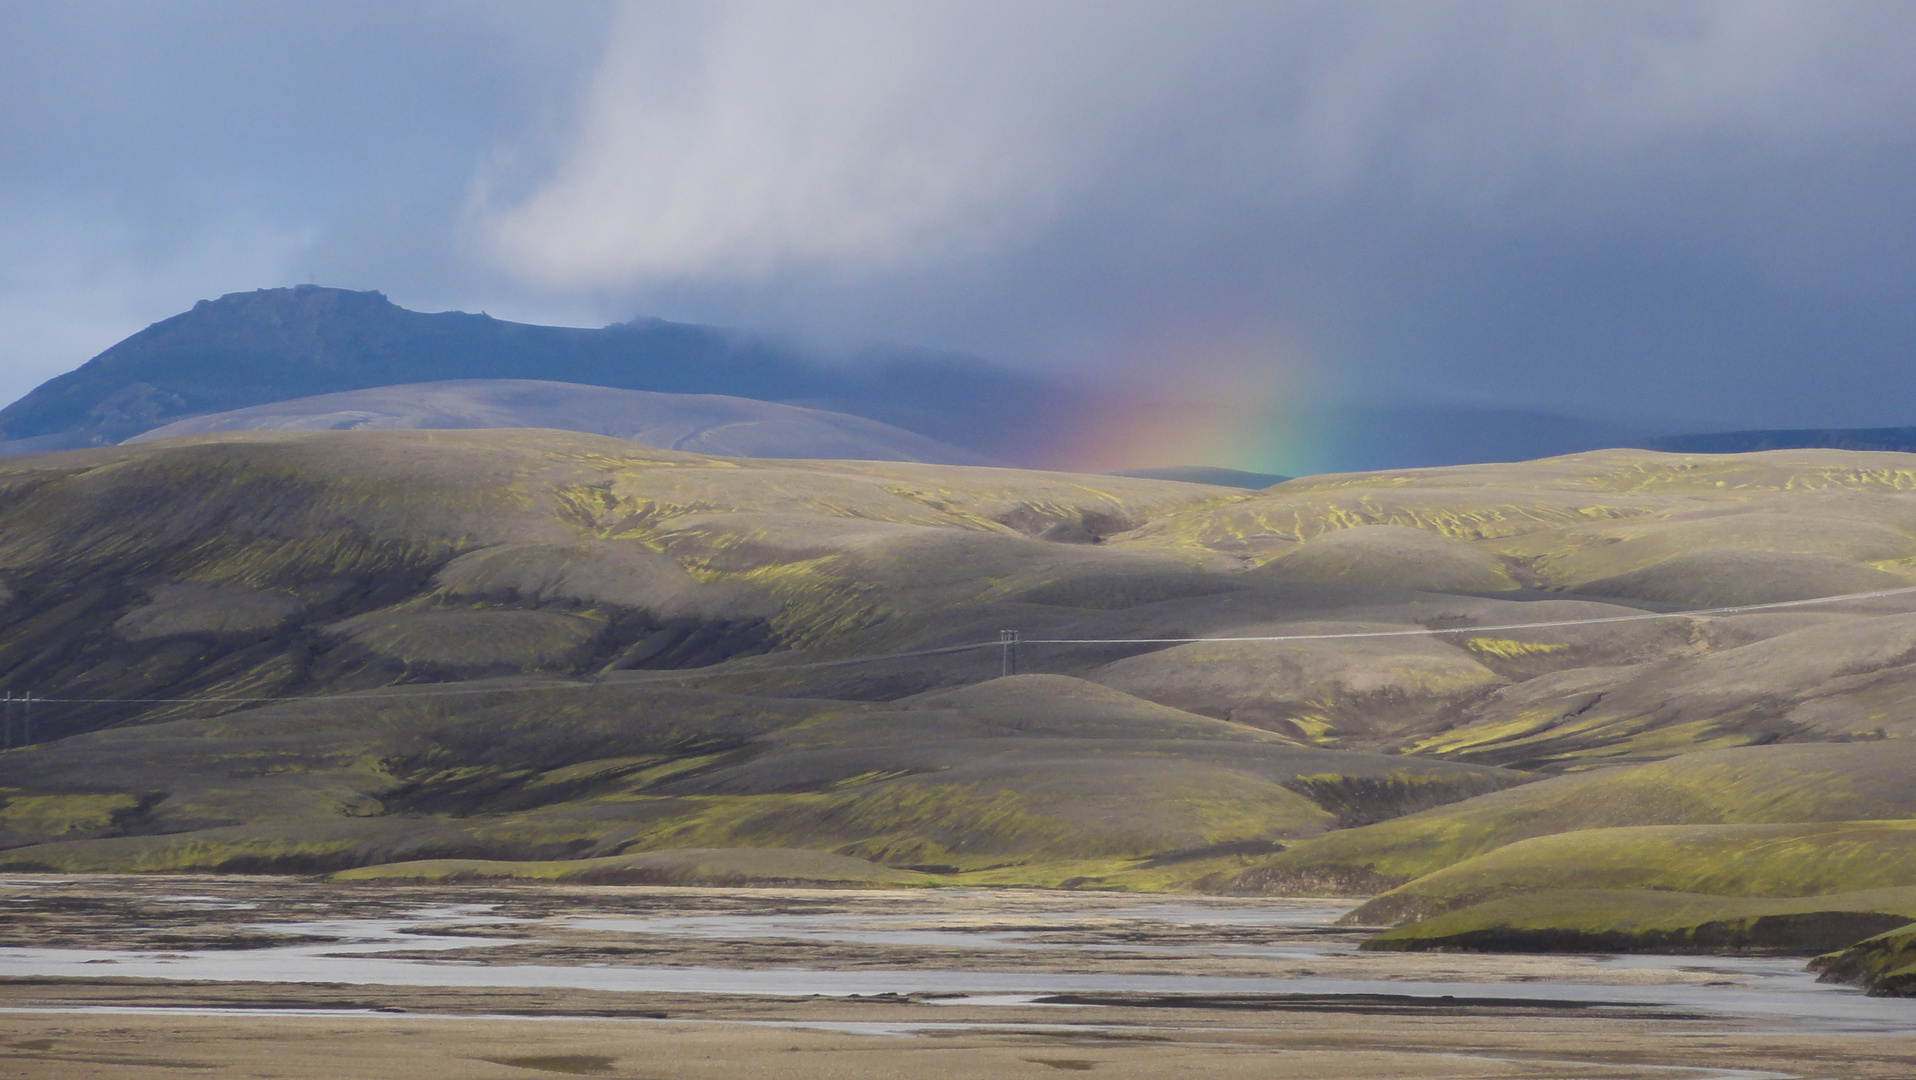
[1426,631]
[711,673]
[626,680]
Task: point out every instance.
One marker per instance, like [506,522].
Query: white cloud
[868,133]
[1555,203]
[757,136]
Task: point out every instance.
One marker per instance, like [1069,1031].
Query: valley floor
[237,976]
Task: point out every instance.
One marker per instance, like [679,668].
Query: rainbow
[1235,404]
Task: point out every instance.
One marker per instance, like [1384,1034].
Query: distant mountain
[695,423]
[1899,439]
[1206,474]
[253,348]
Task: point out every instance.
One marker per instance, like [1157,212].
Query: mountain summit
[271,345]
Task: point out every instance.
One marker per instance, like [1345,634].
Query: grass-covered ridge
[482,647]
[1643,920]
[1885,964]
[1726,860]
[722,867]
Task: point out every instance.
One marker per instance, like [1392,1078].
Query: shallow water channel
[976,952]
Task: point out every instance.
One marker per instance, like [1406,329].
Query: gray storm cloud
[759,137]
[866,134]
[1697,211]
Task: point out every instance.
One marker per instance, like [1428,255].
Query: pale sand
[76,1027]
[69,1047]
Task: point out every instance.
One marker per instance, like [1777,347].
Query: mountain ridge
[270,345]
[695,423]
[248,349]
[499,652]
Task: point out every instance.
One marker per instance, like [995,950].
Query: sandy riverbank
[130,977]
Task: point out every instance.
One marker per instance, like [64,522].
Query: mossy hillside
[267,506]
[1393,555]
[1032,806]
[1058,706]
[1543,512]
[1641,920]
[1518,658]
[1359,800]
[1884,965]
[602,562]
[1724,578]
[1566,522]
[1782,784]
[977,499]
[1850,530]
[217,610]
[963,780]
[947,827]
[1030,815]
[397,752]
[694,423]
[291,847]
[1728,860]
[837,557]
[408,487]
[99,552]
[336,528]
[710,867]
[608,573]
[1269,524]
[476,640]
[1362,691]
[1754,785]
[886,619]
[1834,680]
[1636,472]
[25,818]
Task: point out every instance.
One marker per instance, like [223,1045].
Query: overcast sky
[1688,214]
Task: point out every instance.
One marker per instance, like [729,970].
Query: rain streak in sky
[1683,214]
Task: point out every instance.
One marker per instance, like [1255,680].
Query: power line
[1739,609]
[647,677]
[1008,642]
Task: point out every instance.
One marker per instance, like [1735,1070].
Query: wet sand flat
[169,976]
[1153,1043]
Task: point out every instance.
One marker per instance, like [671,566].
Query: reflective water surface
[358,951]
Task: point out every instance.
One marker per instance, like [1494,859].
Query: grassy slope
[1731,860]
[1885,965]
[1640,920]
[1030,779]
[324,563]
[765,866]
[1807,782]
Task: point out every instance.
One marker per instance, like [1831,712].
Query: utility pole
[8,702]
[1008,652]
[26,722]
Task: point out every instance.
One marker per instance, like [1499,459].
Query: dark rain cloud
[1679,213]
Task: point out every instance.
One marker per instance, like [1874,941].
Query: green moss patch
[709,866]
[1885,965]
[1643,920]
[1728,860]
[1757,785]
[54,816]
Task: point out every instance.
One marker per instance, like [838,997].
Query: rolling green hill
[556,655]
